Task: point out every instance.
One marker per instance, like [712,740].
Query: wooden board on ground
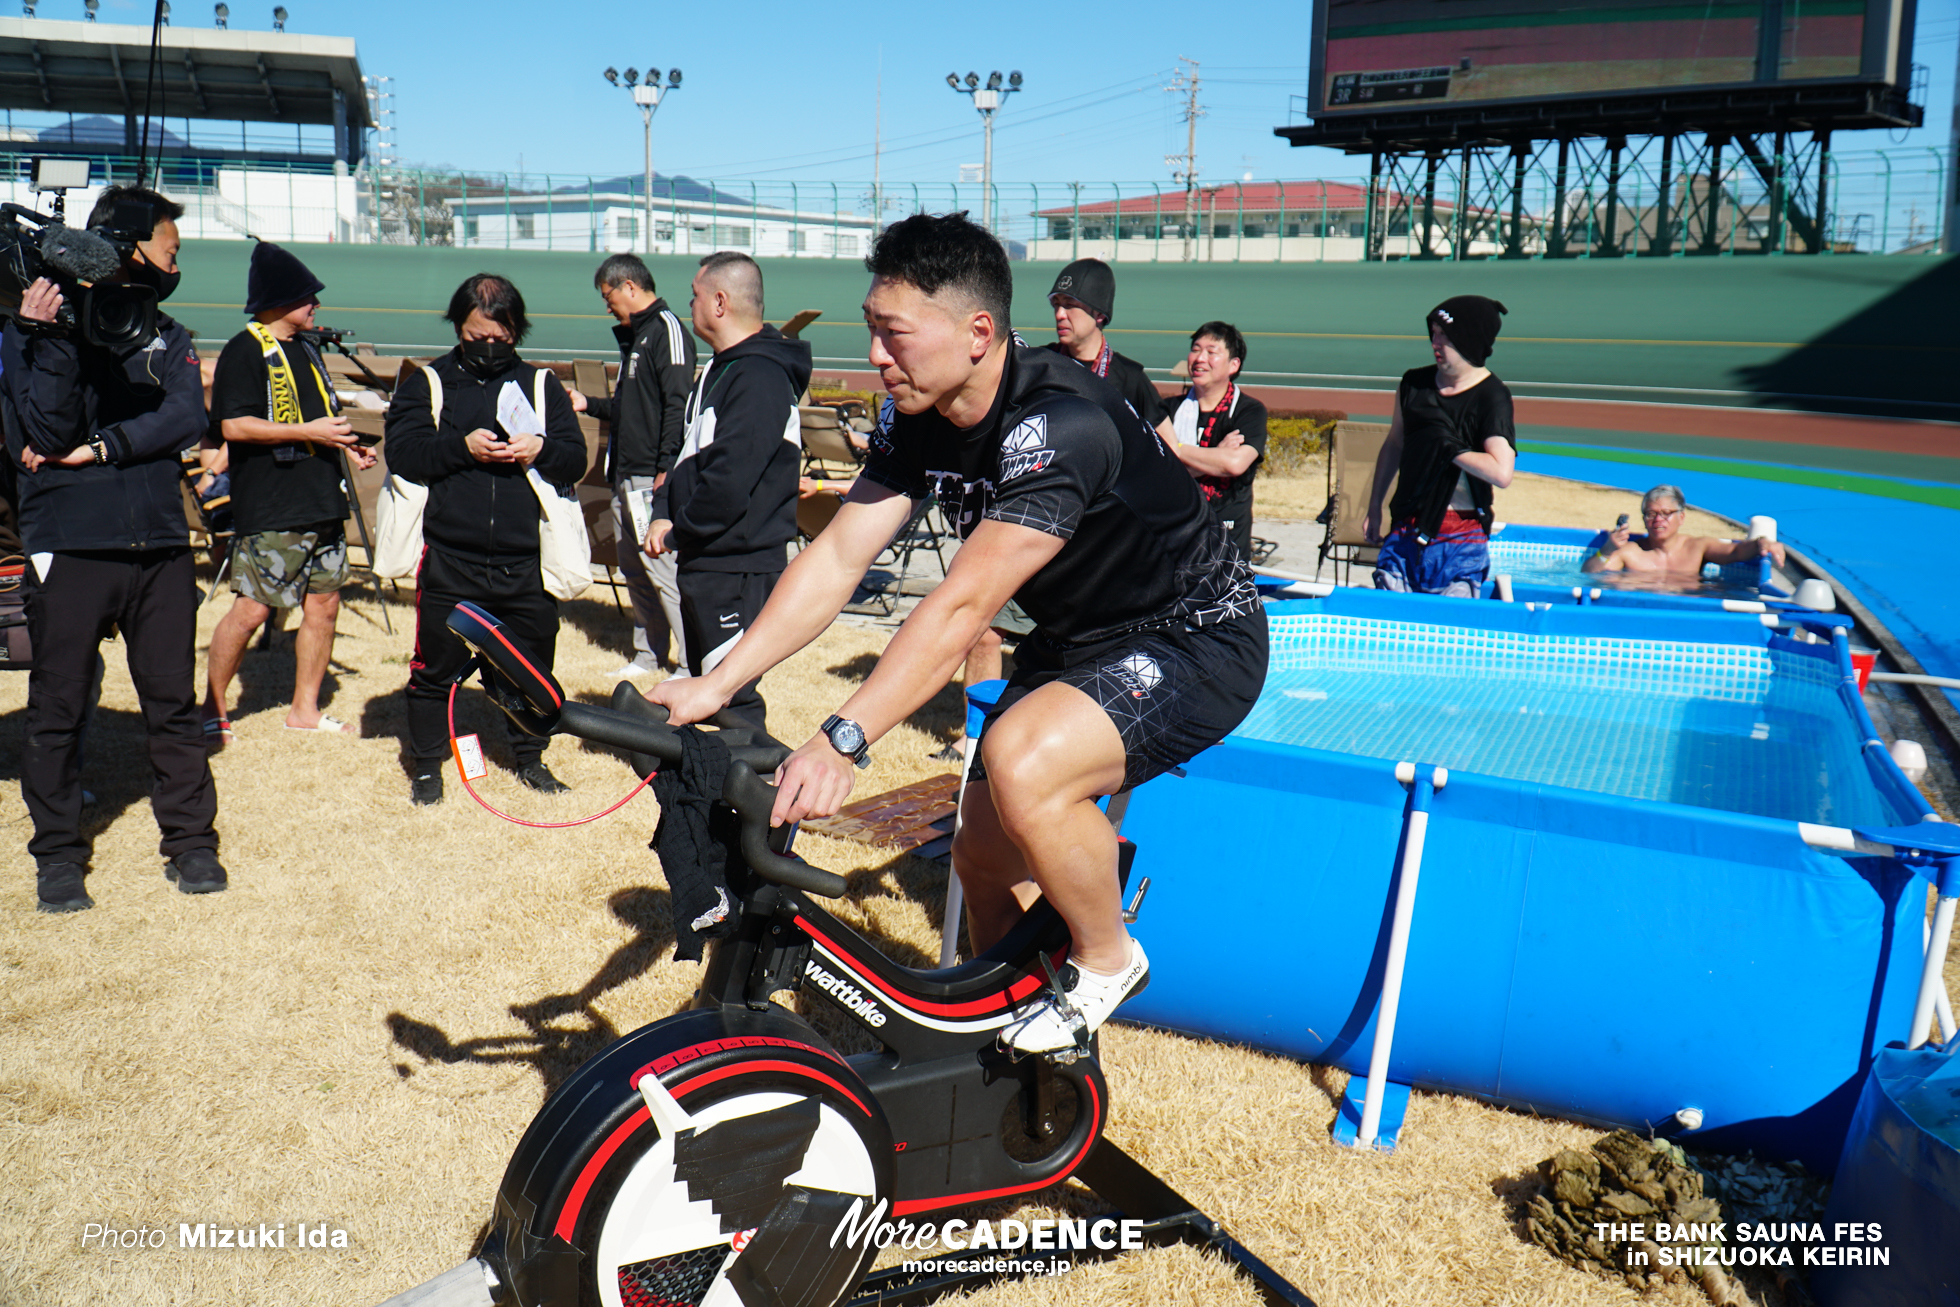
[902,819]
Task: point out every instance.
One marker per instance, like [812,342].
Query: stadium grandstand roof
[50,65]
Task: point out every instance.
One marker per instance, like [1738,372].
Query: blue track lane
[1896,556]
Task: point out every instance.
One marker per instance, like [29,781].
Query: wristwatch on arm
[100,448]
[847,737]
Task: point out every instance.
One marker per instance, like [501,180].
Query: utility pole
[647,95]
[987,100]
[1186,82]
[878,151]
[1951,243]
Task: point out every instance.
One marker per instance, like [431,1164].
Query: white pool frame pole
[1932,980]
[1398,946]
[1942,1004]
[949,932]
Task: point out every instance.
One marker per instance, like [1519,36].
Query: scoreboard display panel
[1377,55]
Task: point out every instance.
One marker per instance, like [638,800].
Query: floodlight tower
[987,100]
[647,95]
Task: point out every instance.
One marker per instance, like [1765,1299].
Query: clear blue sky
[789,90]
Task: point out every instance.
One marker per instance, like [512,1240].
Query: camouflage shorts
[280,568]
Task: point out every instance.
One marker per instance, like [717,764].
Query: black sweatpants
[716,607]
[512,594]
[151,595]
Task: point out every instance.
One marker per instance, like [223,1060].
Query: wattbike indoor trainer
[728,1156]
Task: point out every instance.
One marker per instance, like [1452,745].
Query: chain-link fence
[1649,198]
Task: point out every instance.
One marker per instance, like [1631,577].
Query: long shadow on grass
[565,1029]
[602,622]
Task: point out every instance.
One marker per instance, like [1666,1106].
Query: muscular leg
[228,641]
[983,660]
[312,651]
[1034,824]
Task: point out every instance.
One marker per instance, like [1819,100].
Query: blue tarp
[1901,1169]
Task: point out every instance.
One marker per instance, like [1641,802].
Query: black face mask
[163,283]
[484,359]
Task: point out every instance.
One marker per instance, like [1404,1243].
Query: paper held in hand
[515,414]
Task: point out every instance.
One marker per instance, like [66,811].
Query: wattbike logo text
[860,1229]
[844,992]
[1026,448]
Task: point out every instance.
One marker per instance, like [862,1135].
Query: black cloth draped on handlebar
[693,852]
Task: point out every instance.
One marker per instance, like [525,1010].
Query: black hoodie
[732,493]
[485,512]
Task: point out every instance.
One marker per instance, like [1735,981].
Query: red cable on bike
[519,821]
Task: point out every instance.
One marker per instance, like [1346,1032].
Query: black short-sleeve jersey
[1062,451]
[1435,429]
[294,490]
[1130,380]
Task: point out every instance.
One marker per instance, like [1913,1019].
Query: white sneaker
[1092,999]
[641,665]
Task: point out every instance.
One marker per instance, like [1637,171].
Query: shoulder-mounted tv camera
[83,263]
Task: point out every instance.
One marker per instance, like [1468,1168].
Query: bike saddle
[528,694]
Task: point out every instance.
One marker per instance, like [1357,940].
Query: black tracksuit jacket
[147,404]
[648,408]
[484,512]
[732,493]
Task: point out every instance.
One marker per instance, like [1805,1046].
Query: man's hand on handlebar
[813,782]
[688,699]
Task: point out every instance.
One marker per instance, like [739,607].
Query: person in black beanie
[1084,300]
[273,403]
[1451,439]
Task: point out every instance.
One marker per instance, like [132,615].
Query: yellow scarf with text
[279,379]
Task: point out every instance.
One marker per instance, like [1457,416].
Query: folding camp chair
[1350,482]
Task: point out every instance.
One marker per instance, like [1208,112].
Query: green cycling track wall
[1839,333]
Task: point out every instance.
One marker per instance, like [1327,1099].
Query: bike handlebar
[748,794]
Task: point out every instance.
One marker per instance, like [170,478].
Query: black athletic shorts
[1172,693]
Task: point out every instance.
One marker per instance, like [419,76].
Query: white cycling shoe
[1090,998]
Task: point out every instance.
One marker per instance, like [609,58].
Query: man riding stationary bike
[1150,641]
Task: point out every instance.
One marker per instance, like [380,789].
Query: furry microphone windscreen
[79,255]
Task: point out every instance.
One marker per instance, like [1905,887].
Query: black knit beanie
[277,279]
[1092,283]
[1471,323]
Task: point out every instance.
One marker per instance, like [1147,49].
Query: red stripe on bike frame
[910,1206]
[744,1068]
[662,1065]
[568,1215]
[979,1007]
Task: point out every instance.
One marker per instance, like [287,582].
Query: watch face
[847,736]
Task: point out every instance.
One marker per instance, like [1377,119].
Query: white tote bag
[398,510]
[564,548]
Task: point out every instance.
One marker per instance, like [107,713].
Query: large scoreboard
[1378,56]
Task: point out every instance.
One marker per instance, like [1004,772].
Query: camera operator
[97,431]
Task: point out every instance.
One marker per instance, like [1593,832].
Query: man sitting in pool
[1667,551]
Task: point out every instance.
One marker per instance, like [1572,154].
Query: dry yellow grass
[357,1032]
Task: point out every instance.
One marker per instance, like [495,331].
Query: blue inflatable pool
[1544,564]
[1624,908]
